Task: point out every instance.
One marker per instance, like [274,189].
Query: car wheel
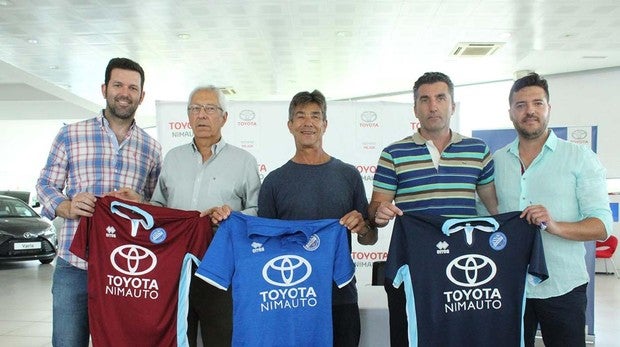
[46,260]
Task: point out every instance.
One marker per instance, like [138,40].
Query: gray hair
[221,99]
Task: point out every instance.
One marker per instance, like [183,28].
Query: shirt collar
[103,121]
[551,143]
[420,140]
[216,148]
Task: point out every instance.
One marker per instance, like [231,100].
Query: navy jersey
[281,273]
[139,265]
[465,278]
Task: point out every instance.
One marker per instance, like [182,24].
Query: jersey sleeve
[202,236]
[397,251]
[79,244]
[537,269]
[217,265]
[344,269]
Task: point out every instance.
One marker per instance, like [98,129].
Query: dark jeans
[347,326]
[398,315]
[562,319]
[212,309]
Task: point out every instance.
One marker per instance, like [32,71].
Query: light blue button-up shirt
[569,180]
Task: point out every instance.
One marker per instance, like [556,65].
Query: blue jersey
[281,273]
[465,278]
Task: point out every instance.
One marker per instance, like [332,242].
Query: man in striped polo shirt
[435,171]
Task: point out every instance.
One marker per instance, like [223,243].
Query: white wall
[24,146]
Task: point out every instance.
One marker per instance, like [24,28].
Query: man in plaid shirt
[89,159]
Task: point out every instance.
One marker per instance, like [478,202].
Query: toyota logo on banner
[471,270]
[579,134]
[247,115]
[369,116]
[287,270]
[133,260]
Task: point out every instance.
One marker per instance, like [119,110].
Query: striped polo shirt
[406,170]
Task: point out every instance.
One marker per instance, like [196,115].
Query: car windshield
[15,208]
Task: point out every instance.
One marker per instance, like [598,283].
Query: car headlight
[49,234]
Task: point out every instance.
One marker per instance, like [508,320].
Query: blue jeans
[562,319]
[70,306]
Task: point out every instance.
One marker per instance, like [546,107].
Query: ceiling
[53,53]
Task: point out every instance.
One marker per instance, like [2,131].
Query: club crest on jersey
[158,235]
[498,240]
[313,243]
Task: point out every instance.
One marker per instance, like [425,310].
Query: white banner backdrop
[356,133]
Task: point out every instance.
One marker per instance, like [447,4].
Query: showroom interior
[53,56]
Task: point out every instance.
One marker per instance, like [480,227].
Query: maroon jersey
[139,261]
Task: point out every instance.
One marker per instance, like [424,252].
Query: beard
[122,112]
[531,133]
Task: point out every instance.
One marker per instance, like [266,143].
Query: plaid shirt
[85,157]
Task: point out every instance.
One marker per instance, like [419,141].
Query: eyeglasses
[210,109]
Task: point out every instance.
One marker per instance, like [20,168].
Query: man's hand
[385,212]
[217,214]
[82,205]
[354,222]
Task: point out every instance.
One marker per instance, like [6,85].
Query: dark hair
[303,98]
[432,77]
[530,80]
[125,64]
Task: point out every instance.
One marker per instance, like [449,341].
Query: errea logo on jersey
[110,232]
[442,247]
[257,247]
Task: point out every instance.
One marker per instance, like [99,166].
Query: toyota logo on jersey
[133,260]
[471,270]
[287,270]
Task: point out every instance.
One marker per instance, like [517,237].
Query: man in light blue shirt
[561,187]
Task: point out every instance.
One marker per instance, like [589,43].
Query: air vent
[228,91]
[476,49]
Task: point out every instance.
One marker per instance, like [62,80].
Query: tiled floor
[25,304]
[26,316]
